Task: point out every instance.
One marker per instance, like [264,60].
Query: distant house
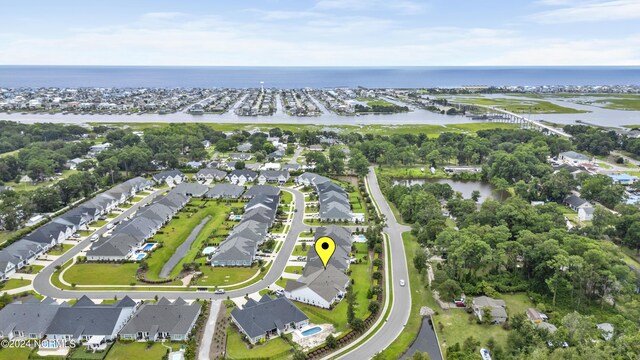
[271,166]
[225,191]
[322,287]
[241,177]
[586,213]
[240,157]
[206,144]
[606,330]
[273,177]
[164,320]
[497,308]
[276,155]
[315,147]
[210,174]
[574,158]
[96,149]
[244,147]
[290,167]
[624,179]
[268,318]
[575,202]
[170,177]
[88,321]
[73,163]
[535,316]
[194,164]
[5,188]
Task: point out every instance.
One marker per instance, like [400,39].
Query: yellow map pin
[325,247]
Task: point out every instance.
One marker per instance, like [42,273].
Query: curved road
[401,306]
[42,285]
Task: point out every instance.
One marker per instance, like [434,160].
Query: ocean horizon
[16,76]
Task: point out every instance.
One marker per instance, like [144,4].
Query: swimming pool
[313,330]
[148,246]
[208,250]
[139,256]
[359,238]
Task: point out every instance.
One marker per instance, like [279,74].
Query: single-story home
[164,320]
[497,308]
[225,191]
[268,318]
[210,174]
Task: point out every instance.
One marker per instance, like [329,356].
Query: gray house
[86,320]
[268,318]
[163,320]
[225,191]
[273,176]
[261,190]
[191,189]
[210,174]
[29,319]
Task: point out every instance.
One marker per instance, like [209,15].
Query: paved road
[43,286]
[209,331]
[401,306]
[182,250]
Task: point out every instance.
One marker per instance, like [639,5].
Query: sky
[321,32]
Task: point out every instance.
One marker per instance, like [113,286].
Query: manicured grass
[99,223]
[177,230]
[338,315]
[286,197]
[238,349]
[282,282]
[225,276]
[31,269]
[84,354]
[523,106]
[15,353]
[4,236]
[139,350]
[112,216]
[297,250]
[14,284]
[59,251]
[101,274]
[135,199]
[294,269]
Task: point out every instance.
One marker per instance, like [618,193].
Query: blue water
[317,77]
[141,256]
[148,247]
[313,330]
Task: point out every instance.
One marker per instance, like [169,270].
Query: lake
[464,187]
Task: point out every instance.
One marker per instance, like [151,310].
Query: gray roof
[261,190]
[575,201]
[32,317]
[574,155]
[216,173]
[256,319]
[340,259]
[191,189]
[165,174]
[86,318]
[226,191]
[172,318]
[243,172]
[274,175]
[327,283]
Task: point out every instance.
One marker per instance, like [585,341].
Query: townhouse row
[97,324]
[24,251]
[333,200]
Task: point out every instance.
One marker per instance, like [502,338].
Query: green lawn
[99,223]
[294,269]
[413,172]
[338,315]
[112,216]
[282,282]
[139,350]
[101,274]
[286,197]
[297,250]
[177,230]
[15,353]
[84,354]
[59,251]
[31,269]
[238,349]
[14,284]
[135,199]
[31,187]
[225,276]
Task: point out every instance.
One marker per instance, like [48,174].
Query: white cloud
[591,12]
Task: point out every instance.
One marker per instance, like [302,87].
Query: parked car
[459,302]
[219,292]
[94,238]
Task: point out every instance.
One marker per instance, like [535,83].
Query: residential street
[43,286]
